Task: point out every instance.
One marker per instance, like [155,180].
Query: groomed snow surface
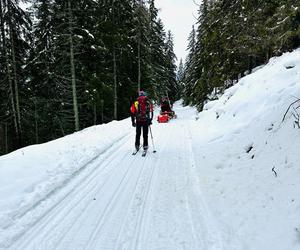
[210,186]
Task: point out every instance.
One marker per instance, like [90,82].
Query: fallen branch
[273,169]
[297,119]
[289,109]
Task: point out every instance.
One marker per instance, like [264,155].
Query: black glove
[133,124]
[150,122]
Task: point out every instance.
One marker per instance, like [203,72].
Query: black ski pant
[139,127]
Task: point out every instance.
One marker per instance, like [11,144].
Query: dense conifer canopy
[232,38]
[70,64]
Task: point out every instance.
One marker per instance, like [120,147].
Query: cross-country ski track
[225,178]
[121,201]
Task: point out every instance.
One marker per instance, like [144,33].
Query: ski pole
[154,151]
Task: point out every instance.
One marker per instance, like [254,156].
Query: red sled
[163,118]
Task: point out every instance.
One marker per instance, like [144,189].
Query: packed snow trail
[210,186]
[131,202]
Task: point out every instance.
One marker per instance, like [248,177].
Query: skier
[141,117]
[165,107]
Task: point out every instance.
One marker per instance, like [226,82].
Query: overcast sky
[178,16]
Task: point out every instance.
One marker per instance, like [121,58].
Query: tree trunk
[15,85]
[2,138]
[2,27]
[115,86]
[6,137]
[250,64]
[139,52]
[95,113]
[139,62]
[73,75]
[102,111]
[36,124]
[8,71]
[60,126]
[269,53]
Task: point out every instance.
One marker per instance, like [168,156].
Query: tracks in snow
[85,181]
[128,202]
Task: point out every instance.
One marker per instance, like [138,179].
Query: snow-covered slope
[209,186]
[239,139]
[30,175]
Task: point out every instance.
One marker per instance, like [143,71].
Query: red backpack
[144,109]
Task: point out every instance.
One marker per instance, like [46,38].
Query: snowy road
[210,186]
[120,201]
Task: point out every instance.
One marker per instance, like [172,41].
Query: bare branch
[289,109]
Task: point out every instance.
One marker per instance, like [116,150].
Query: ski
[136,151]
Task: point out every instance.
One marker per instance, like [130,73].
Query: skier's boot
[145,148]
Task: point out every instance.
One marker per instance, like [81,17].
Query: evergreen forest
[231,39]
[67,65]
[70,64]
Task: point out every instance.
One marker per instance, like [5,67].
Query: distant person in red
[165,105]
[141,117]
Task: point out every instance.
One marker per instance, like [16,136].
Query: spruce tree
[15,40]
[171,89]
[189,78]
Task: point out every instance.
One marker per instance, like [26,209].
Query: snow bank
[30,174]
[248,159]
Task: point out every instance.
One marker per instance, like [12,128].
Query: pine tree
[171,88]
[180,72]
[162,57]
[179,79]
[156,46]
[283,26]
[73,45]
[40,67]
[189,78]
[15,28]
[142,43]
